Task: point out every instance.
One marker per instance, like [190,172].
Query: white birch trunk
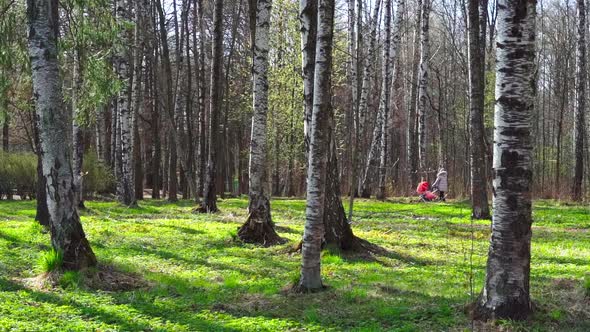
[379,133]
[78,134]
[318,155]
[55,137]
[506,292]
[209,203]
[308,19]
[259,228]
[393,56]
[125,182]
[423,82]
[367,71]
[580,109]
[476,55]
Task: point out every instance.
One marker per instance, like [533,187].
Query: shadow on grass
[370,252]
[122,322]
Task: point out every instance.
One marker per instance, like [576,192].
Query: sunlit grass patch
[189,272]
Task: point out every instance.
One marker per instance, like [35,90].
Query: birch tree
[580,109]
[310,279]
[411,139]
[395,45]
[476,54]
[209,203]
[55,137]
[423,82]
[364,94]
[258,228]
[506,293]
[379,132]
[78,133]
[125,118]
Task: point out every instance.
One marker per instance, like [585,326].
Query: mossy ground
[197,277]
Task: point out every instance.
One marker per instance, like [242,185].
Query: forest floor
[178,271]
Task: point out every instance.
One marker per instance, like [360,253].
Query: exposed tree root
[298,288]
[205,209]
[105,278]
[259,231]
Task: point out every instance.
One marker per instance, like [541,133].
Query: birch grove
[152,103]
[384,117]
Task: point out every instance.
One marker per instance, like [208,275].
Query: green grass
[49,261]
[201,279]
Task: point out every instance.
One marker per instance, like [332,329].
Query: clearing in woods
[180,271]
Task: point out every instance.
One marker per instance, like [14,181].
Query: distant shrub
[50,261]
[587,285]
[98,178]
[18,174]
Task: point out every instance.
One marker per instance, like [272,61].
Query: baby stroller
[424,192]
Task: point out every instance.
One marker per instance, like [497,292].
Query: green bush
[98,178]
[18,174]
[50,261]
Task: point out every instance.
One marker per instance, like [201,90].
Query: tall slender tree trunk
[392,58]
[479,195]
[209,203]
[412,146]
[338,232]
[580,109]
[155,122]
[138,52]
[106,124]
[172,166]
[201,81]
[353,99]
[115,151]
[5,134]
[353,127]
[125,181]
[42,215]
[55,136]
[5,126]
[506,293]
[423,83]
[78,132]
[319,141]
[364,97]
[379,135]
[259,227]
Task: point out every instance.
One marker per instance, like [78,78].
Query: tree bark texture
[209,203]
[423,82]
[476,54]
[259,227]
[319,147]
[393,57]
[55,136]
[364,97]
[125,181]
[506,293]
[580,109]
